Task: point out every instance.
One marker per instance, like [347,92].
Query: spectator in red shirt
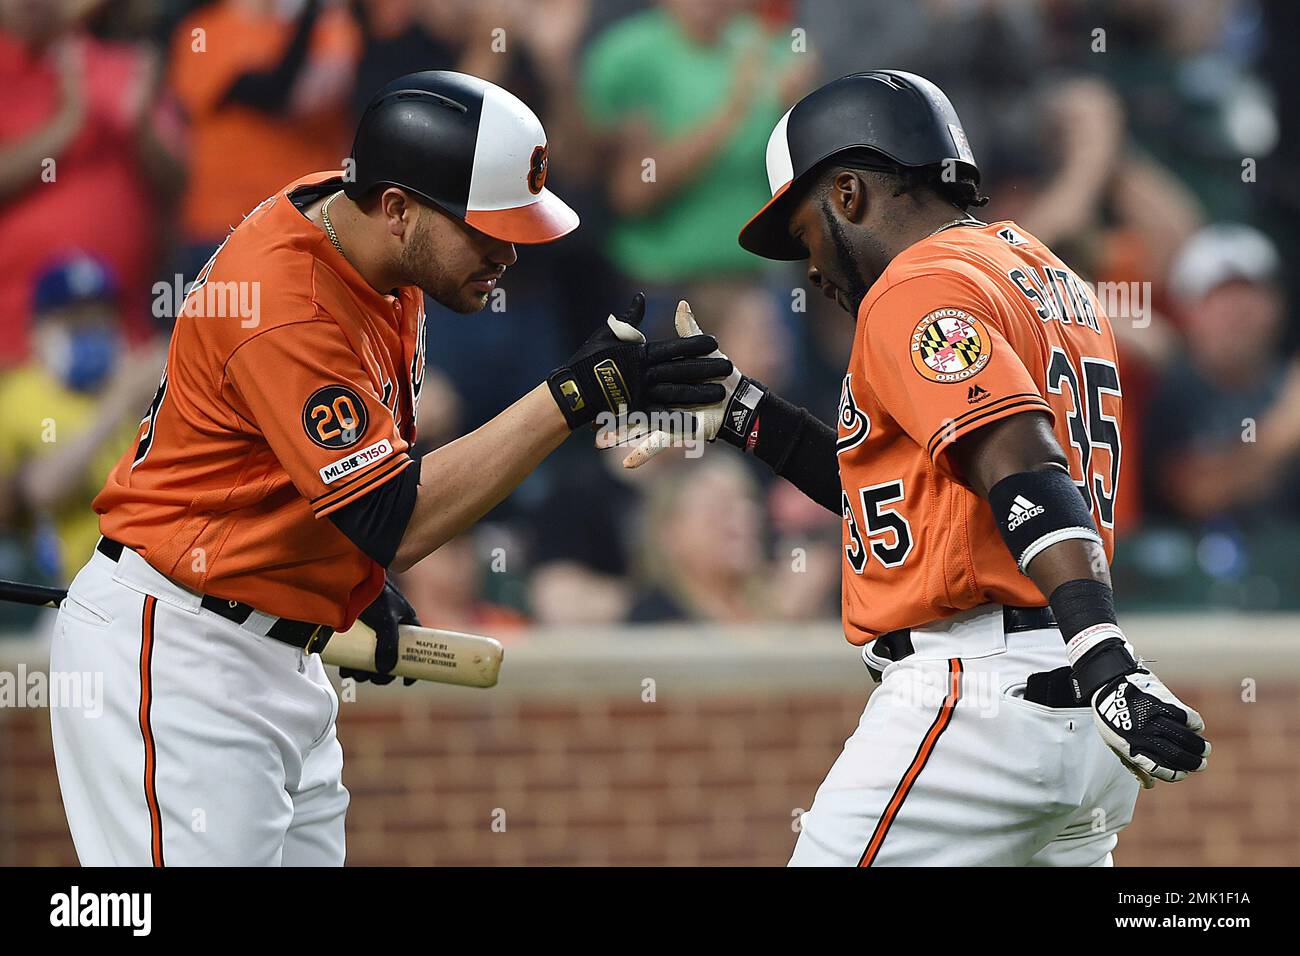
[88,156]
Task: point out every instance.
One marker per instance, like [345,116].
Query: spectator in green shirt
[688,93]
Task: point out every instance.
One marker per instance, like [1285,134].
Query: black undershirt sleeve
[268,90]
[376,522]
[801,449]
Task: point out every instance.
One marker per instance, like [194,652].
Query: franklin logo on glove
[611,383]
[634,374]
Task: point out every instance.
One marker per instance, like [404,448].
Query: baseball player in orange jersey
[272,481]
[974,463]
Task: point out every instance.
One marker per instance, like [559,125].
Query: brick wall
[709,773]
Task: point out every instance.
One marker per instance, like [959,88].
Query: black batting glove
[383,615]
[1154,734]
[617,370]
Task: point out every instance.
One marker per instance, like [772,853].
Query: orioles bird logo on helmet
[537,170]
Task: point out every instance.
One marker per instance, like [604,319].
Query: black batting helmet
[465,145]
[902,117]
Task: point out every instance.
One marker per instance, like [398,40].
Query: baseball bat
[425,653]
[34,594]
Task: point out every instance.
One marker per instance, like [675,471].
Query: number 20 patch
[335,417]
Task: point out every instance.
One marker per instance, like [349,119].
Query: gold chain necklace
[329,226]
[963,221]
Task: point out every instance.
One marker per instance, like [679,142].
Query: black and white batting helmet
[903,118]
[465,145]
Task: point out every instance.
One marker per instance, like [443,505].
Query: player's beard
[422,266]
[848,275]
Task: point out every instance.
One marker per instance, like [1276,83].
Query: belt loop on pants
[307,637]
[895,645]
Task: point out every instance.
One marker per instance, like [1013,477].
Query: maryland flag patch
[950,345]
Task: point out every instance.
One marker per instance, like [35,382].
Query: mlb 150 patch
[335,416]
[356,461]
[949,345]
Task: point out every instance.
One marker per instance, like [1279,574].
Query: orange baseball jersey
[290,390]
[964,328]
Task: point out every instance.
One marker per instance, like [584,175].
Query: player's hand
[383,616]
[1153,733]
[703,422]
[617,370]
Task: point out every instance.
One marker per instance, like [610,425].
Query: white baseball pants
[214,747]
[951,766]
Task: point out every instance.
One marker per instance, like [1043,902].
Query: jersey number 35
[889,536]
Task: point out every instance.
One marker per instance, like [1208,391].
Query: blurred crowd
[1148,142]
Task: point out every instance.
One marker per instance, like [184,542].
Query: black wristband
[1037,509]
[1082,603]
[741,421]
[797,445]
[1077,606]
[1101,665]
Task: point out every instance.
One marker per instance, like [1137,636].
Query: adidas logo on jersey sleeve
[1022,509]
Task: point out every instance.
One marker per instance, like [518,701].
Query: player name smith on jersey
[964,328]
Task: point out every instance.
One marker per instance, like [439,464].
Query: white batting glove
[1154,733]
[705,420]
